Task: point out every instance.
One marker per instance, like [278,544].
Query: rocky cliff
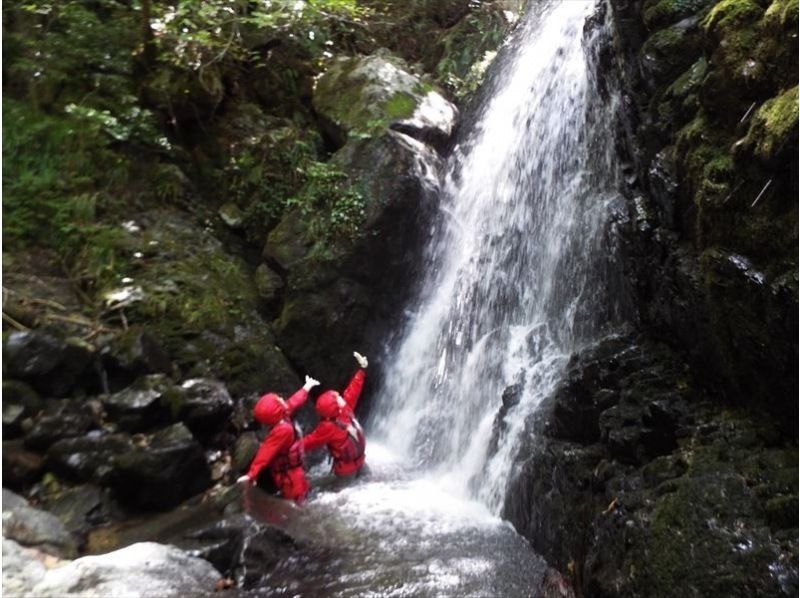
[666,463]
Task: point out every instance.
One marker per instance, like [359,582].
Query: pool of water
[394,533]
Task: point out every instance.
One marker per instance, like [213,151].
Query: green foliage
[334,208]
[58,173]
[195,35]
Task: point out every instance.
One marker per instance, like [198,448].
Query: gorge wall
[666,463]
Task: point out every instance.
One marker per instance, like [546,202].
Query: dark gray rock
[19,402]
[62,419]
[21,467]
[630,467]
[88,458]
[142,405]
[244,451]
[132,354]
[268,283]
[203,405]
[51,365]
[82,508]
[169,468]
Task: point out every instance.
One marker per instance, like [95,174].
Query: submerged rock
[145,568]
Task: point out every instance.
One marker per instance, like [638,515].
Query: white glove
[310,383]
[362,361]
[244,478]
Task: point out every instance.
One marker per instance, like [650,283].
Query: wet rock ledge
[640,484]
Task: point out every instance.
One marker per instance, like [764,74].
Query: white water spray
[517,267]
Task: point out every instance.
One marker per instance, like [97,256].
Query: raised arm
[297,399]
[353,390]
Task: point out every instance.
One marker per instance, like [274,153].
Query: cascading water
[517,267]
[518,278]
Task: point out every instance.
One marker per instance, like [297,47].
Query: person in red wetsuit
[281,452]
[338,427]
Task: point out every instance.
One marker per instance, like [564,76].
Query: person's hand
[310,383]
[244,478]
[362,361]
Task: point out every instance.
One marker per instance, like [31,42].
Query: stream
[519,274]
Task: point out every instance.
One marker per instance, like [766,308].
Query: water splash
[518,264]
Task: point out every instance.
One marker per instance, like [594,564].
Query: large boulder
[131,354]
[342,293]
[203,405]
[33,527]
[51,365]
[143,569]
[169,468]
[361,96]
[88,458]
[23,568]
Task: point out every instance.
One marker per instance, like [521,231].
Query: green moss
[400,105]
[658,13]
[731,15]
[782,14]
[774,127]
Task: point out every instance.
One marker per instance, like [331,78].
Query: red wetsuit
[339,429]
[281,452]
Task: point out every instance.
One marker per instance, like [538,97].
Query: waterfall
[519,265]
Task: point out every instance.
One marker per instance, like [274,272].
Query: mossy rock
[201,304]
[362,96]
[772,137]
[670,51]
[729,17]
[660,13]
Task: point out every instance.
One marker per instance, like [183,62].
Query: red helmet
[269,410]
[328,404]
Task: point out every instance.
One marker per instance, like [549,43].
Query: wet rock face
[710,125]
[642,486]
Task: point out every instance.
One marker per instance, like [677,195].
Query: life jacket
[356,444]
[291,458]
